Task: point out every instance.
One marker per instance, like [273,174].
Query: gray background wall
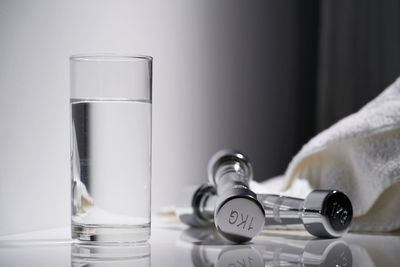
[226,74]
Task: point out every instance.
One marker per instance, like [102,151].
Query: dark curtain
[359,55]
[282,71]
[346,53]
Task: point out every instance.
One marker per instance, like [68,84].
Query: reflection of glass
[111,255]
[212,251]
[111,147]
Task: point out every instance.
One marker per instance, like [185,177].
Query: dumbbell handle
[281,210]
[228,168]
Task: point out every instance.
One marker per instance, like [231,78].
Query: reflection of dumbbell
[318,252]
[314,253]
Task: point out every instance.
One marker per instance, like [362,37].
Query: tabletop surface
[173,244]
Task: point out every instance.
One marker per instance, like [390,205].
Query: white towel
[359,155]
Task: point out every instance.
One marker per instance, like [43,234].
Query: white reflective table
[173,244]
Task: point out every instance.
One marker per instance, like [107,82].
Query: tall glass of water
[110,147]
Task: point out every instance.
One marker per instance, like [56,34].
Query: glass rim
[109,58]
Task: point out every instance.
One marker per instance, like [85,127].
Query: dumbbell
[239,214]
[324,213]
[227,200]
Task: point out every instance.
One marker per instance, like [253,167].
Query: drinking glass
[110,147]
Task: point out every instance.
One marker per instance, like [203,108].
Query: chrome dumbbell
[227,201]
[324,213]
[239,214]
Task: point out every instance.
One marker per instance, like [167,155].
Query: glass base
[83,253]
[111,233]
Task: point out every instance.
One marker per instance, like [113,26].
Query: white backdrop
[211,90]
[37,37]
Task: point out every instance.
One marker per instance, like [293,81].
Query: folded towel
[359,155]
